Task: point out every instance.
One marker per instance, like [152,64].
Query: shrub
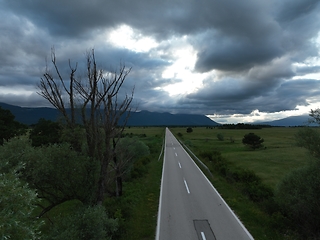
[252,140]
[251,185]
[246,176]
[45,132]
[298,197]
[16,207]
[189,130]
[9,127]
[206,155]
[219,163]
[257,192]
[85,223]
[220,137]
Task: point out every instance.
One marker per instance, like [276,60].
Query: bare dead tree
[101,110]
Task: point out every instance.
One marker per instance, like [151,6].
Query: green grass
[280,155]
[141,196]
[278,158]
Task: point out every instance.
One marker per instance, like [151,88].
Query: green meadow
[279,155]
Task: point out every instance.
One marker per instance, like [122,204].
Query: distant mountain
[144,118]
[289,121]
[31,115]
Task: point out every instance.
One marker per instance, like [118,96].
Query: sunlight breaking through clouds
[125,36]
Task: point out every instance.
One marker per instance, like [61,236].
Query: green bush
[257,192]
[206,155]
[45,132]
[189,130]
[139,167]
[298,197]
[252,140]
[219,163]
[17,202]
[220,137]
[251,185]
[9,128]
[86,223]
[245,176]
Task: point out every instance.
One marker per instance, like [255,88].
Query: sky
[234,61]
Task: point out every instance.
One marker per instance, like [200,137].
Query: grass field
[279,156]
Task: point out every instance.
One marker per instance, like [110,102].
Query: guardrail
[195,157]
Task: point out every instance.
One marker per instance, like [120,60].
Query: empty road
[189,206]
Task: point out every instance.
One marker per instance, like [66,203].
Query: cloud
[241,55]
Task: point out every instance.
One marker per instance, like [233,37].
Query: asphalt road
[189,206]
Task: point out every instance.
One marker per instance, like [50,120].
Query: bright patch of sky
[183,57]
[183,70]
[126,37]
[257,116]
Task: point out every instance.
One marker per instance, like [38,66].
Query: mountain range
[31,116]
[301,120]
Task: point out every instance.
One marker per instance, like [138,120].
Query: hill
[289,121]
[143,118]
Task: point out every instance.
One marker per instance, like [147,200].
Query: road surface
[189,206]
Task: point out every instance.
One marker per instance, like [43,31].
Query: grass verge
[137,209]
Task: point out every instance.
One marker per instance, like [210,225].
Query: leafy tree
[252,140]
[57,172]
[45,132]
[309,138]
[315,116]
[17,202]
[85,223]
[220,136]
[128,150]
[298,196]
[8,126]
[96,98]
[60,174]
[189,130]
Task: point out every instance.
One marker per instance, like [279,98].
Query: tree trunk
[102,181]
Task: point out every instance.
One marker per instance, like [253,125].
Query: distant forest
[244,126]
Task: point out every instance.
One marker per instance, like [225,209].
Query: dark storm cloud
[250,47]
[75,18]
[291,10]
[258,37]
[244,100]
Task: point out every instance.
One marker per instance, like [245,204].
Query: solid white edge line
[203,236]
[160,197]
[241,224]
[185,183]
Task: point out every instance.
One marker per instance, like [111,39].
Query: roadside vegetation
[32,177]
[273,188]
[85,176]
